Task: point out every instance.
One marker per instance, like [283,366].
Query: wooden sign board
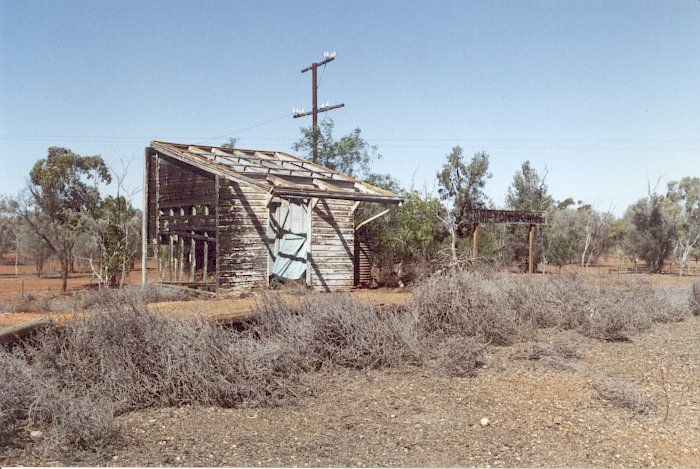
[517,217]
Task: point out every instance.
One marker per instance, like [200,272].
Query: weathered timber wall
[332,245]
[243,248]
[183,185]
[363,262]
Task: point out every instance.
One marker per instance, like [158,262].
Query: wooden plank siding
[235,227]
[185,207]
[332,245]
[243,217]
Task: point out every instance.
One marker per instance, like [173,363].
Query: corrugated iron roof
[277,172]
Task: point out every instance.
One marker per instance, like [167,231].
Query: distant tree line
[428,231]
[63,215]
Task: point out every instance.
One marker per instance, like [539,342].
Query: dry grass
[26,304]
[122,357]
[504,309]
[339,331]
[625,394]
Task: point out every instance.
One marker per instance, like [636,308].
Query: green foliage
[559,252]
[684,201]
[113,253]
[464,183]
[351,154]
[63,196]
[410,233]
[528,190]
[383,181]
[652,231]
[60,183]
[7,237]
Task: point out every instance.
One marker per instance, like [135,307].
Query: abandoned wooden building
[229,220]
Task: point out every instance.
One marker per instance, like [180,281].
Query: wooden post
[181,253]
[531,260]
[156,250]
[193,249]
[475,242]
[217,251]
[181,257]
[205,265]
[193,257]
[171,261]
[205,250]
[144,221]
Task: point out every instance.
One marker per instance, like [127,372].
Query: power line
[231,134]
[128,139]
[106,139]
[314,101]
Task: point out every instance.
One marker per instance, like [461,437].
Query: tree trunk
[65,267]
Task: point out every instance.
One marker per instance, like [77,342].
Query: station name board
[517,217]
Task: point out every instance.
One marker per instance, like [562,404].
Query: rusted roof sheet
[277,172]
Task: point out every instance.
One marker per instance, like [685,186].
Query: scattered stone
[485,421]
[36,435]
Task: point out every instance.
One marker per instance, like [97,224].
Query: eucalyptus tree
[61,198]
[351,154]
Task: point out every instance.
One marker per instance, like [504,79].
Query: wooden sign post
[511,217]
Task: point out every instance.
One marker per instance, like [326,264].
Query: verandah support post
[181,250]
[193,250]
[475,242]
[205,250]
[205,265]
[181,257]
[144,221]
[171,261]
[531,257]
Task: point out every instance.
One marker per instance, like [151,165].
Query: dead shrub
[141,359]
[503,309]
[142,295]
[32,399]
[339,331]
[470,304]
[565,346]
[17,391]
[27,304]
[459,356]
[625,394]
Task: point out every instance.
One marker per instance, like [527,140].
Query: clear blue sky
[605,94]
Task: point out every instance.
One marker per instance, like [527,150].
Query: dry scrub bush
[17,391]
[31,398]
[472,305]
[149,293]
[26,304]
[564,346]
[503,309]
[141,359]
[625,394]
[338,331]
[459,356]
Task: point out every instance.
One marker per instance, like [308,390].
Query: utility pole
[328,57]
